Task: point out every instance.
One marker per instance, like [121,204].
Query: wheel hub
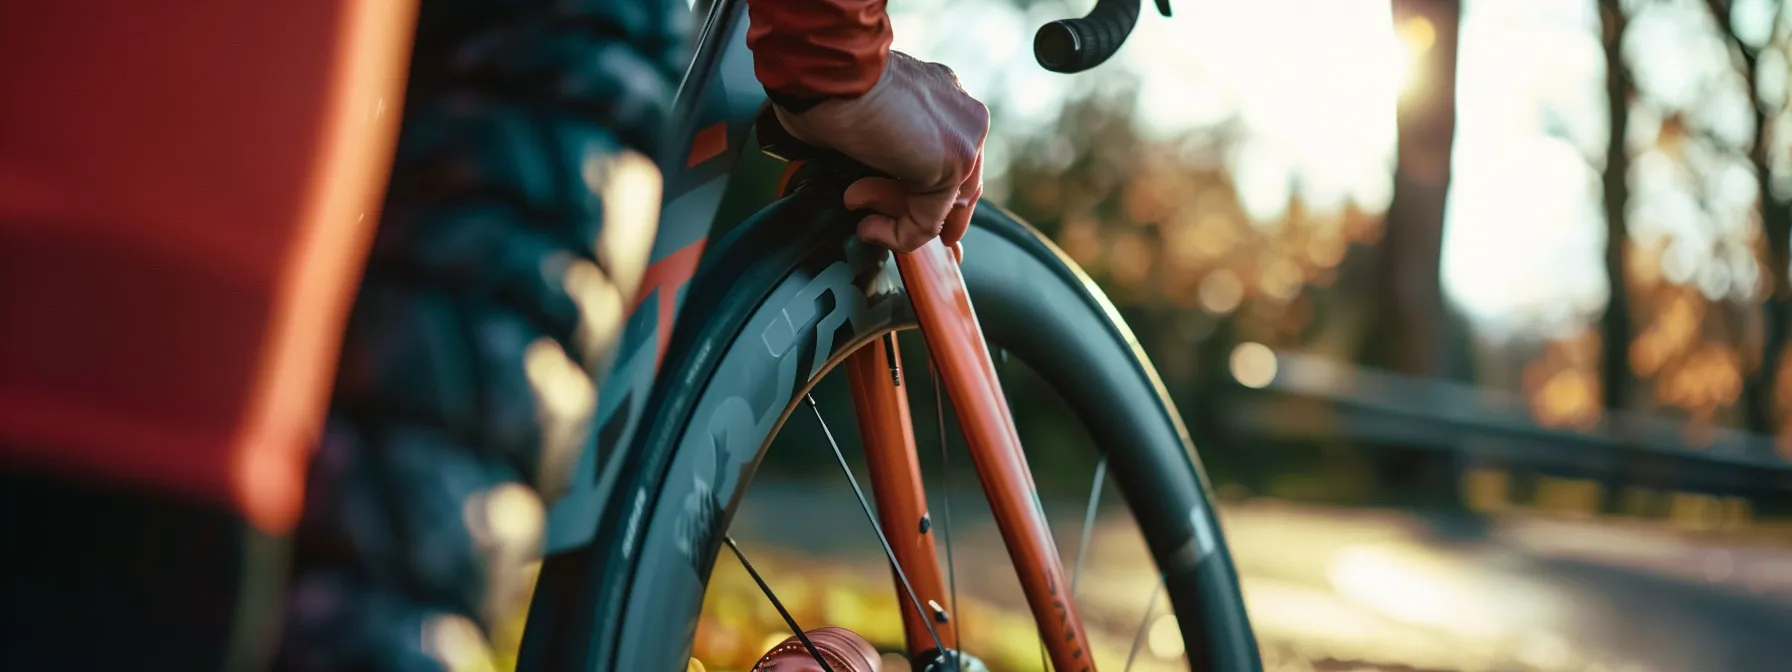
[846,651]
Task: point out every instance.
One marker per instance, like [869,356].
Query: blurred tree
[1620,87]
[1411,334]
[1159,223]
[1695,91]
[1774,209]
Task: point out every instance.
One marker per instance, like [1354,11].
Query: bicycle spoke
[777,604]
[1082,546]
[871,517]
[1139,637]
[939,410]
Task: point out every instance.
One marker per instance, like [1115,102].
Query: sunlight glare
[1416,36]
[1522,233]
[1315,82]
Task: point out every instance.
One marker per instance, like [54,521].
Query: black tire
[784,295]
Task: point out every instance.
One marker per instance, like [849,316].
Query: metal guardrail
[1293,396]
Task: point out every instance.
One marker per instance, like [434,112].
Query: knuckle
[979,113]
[973,119]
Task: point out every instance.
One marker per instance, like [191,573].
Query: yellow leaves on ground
[739,624]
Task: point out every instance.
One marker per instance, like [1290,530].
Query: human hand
[919,126]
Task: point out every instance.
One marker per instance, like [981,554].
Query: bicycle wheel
[787,297]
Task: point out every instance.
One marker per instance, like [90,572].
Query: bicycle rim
[772,333]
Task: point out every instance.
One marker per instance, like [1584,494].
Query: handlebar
[1075,45]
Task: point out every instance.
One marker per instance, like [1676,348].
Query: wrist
[801,101]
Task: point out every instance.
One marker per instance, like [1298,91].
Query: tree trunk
[1615,326]
[1776,227]
[1412,321]
[1411,331]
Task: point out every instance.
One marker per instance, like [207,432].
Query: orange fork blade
[880,398]
[953,334]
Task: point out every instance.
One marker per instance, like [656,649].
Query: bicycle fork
[963,364]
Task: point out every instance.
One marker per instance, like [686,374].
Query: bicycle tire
[498,269]
[648,570]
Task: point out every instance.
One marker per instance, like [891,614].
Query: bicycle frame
[716,181]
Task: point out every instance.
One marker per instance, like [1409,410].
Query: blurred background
[1477,311]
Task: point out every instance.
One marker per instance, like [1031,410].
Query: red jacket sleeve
[813,49]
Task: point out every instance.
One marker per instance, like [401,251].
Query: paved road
[1327,589]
